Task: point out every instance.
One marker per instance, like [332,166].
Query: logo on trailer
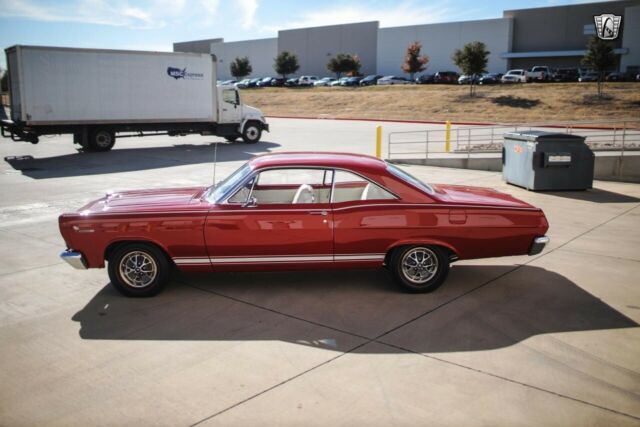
[607,26]
[178,73]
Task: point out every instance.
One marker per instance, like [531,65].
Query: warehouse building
[554,36]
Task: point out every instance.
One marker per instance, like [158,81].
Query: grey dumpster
[538,160]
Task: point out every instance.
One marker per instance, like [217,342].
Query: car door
[365,216]
[230,108]
[279,219]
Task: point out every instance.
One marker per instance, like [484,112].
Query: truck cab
[237,119]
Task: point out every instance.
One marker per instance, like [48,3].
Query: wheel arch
[451,250]
[116,244]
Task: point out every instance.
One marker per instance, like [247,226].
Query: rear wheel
[101,140]
[419,269]
[139,270]
[251,133]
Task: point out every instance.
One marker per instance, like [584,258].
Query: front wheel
[419,269]
[139,270]
[251,133]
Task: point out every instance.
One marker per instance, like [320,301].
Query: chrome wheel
[138,269]
[419,265]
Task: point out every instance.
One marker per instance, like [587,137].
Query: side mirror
[251,202]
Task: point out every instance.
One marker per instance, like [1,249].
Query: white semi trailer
[95,94]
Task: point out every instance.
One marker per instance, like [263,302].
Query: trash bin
[538,160]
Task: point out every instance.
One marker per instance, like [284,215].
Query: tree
[285,63]
[240,67]
[413,61]
[344,63]
[600,57]
[472,60]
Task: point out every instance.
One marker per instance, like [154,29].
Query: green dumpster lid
[540,136]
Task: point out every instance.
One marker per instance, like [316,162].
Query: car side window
[349,187]
[292,186]
[229,95]
[242,195]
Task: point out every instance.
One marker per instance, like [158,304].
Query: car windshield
[217,193]
[409,178]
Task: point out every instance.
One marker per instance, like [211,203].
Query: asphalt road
[545,340]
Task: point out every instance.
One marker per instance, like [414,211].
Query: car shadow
[135,159]
[595,195]
[318,308]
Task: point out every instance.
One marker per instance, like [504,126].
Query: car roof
[355,162]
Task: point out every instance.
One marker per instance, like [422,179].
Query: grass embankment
[518,103]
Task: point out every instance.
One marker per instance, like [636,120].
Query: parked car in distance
[228,82]
[489,79]
[393,80]
[292,211]
[338,82]
[565,75]
[351,81]
[446,77]
[425,79]
[265,82]
[468,79]
[292,82]
[307,80]
[590,76]
[515,76]
[325,81]
[370,80]
[540,73]
[243,84]
[278,81]
[616,77]
[253,83]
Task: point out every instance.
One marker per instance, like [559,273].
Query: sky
[156,24]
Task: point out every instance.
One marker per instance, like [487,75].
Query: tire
[135,284]
[427,279]
[251,132]
[101,140]
[231,138]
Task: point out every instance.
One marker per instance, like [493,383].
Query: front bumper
[538,245]
[74,259]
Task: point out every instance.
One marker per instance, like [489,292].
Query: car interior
[305,186]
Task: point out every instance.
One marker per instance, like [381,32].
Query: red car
[300,211]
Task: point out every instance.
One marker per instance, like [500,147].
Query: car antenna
[215,162]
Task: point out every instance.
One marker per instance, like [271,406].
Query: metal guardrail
[479,141]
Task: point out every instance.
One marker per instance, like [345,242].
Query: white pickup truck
[95,94]
[540,73]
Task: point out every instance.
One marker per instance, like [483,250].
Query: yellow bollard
[447,137]
[379,142]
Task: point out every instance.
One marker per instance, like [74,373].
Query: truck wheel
[419,269]
[139,270]
[101,140]
[251,133]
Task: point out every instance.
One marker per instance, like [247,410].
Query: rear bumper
[538,245]
[74,259]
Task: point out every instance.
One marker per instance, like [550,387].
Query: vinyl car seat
[304,194]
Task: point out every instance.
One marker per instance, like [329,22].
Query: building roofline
[566,5]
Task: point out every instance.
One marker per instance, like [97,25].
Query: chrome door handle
[323,213]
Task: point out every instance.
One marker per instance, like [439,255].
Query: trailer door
[14,79]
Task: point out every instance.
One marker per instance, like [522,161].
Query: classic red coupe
[300,211]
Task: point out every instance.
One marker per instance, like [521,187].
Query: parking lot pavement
[545,340]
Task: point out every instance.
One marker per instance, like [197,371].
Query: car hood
[146,200]
[476,196]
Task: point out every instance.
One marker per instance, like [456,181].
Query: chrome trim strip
[278,259]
